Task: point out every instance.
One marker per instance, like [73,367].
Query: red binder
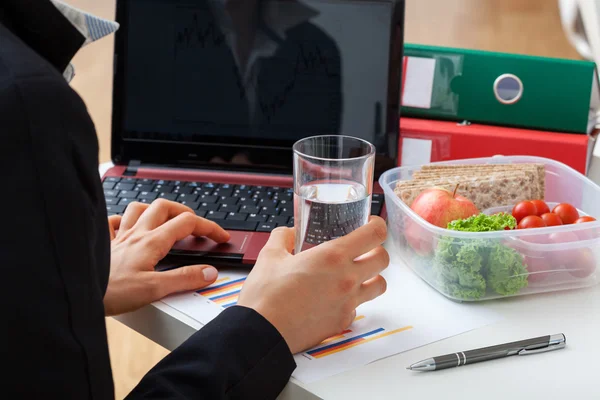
[423,141]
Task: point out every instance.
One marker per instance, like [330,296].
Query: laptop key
[124,186]
[163,188]
[126,201]
[191,204]
[376,208]
[129,180]
[148,195]
[278,220]
[257,218]
[267,227]
[270,210]
[249,209]
[108,185]
[244,201]
[144,187]
[208,199]
[183,189]
[111,193]
[234,225]
[111,200]
[200,213]
[115,209]
[236,216]
[286,211]
[169,196]
[187,197]
[228,200]
[229,208]
[208,207]
[223,191]
[128,194]
[215,215]
[112,179]
[146,181]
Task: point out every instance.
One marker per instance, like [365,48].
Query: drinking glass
[333,184]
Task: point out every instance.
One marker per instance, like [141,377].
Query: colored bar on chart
[222,288]
[226,298]
[375,334]
[336,337]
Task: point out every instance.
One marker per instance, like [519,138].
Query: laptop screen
[234,83]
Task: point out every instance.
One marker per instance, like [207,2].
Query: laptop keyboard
[234,207]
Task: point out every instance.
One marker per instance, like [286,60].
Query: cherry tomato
[584,219]
[582,263]
[551,219]
[531,221]
[523,209]
[541,207]
[567,213]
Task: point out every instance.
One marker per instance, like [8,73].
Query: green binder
[499,89]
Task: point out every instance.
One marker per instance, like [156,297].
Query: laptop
[210,95]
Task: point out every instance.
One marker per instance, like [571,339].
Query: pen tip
[409,368]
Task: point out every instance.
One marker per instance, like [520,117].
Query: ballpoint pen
[537,345]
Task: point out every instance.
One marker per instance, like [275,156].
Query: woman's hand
[139,240]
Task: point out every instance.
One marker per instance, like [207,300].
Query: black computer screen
[254,73]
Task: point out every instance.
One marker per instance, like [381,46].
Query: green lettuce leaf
[484,223]
[466,268]
[507,273]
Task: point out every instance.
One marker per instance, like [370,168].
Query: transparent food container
[472,266]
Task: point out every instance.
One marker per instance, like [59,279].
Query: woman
[65,268]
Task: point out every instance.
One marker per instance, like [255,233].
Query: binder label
[418,79]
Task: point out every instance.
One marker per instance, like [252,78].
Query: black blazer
[55,250]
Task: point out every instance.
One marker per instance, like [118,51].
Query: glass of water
[333,183]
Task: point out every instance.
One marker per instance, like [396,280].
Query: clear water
[327,211]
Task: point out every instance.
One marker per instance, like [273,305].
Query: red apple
[440,206]
[419,238]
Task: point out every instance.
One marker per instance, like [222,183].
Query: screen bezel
[181,155]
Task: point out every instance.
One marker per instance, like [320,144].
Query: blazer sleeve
[238,355]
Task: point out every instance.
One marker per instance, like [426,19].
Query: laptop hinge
[132,168]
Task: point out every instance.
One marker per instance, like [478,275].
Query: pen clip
[556,342]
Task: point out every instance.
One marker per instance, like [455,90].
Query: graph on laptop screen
[268,69]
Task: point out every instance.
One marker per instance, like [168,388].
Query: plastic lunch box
[472,266]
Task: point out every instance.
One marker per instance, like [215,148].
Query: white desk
[553,375]
[563,374]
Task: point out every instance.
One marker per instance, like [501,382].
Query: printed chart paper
[409,315]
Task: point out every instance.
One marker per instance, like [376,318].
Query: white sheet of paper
[409,315]
[206,304]
[416,151]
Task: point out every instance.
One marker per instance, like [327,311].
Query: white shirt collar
[93,28]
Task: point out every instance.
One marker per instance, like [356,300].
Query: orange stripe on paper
[338,336]
[217,291]
[227,299]
[359,342]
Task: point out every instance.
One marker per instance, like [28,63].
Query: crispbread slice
[493,192]
[537,191]
[541,170]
